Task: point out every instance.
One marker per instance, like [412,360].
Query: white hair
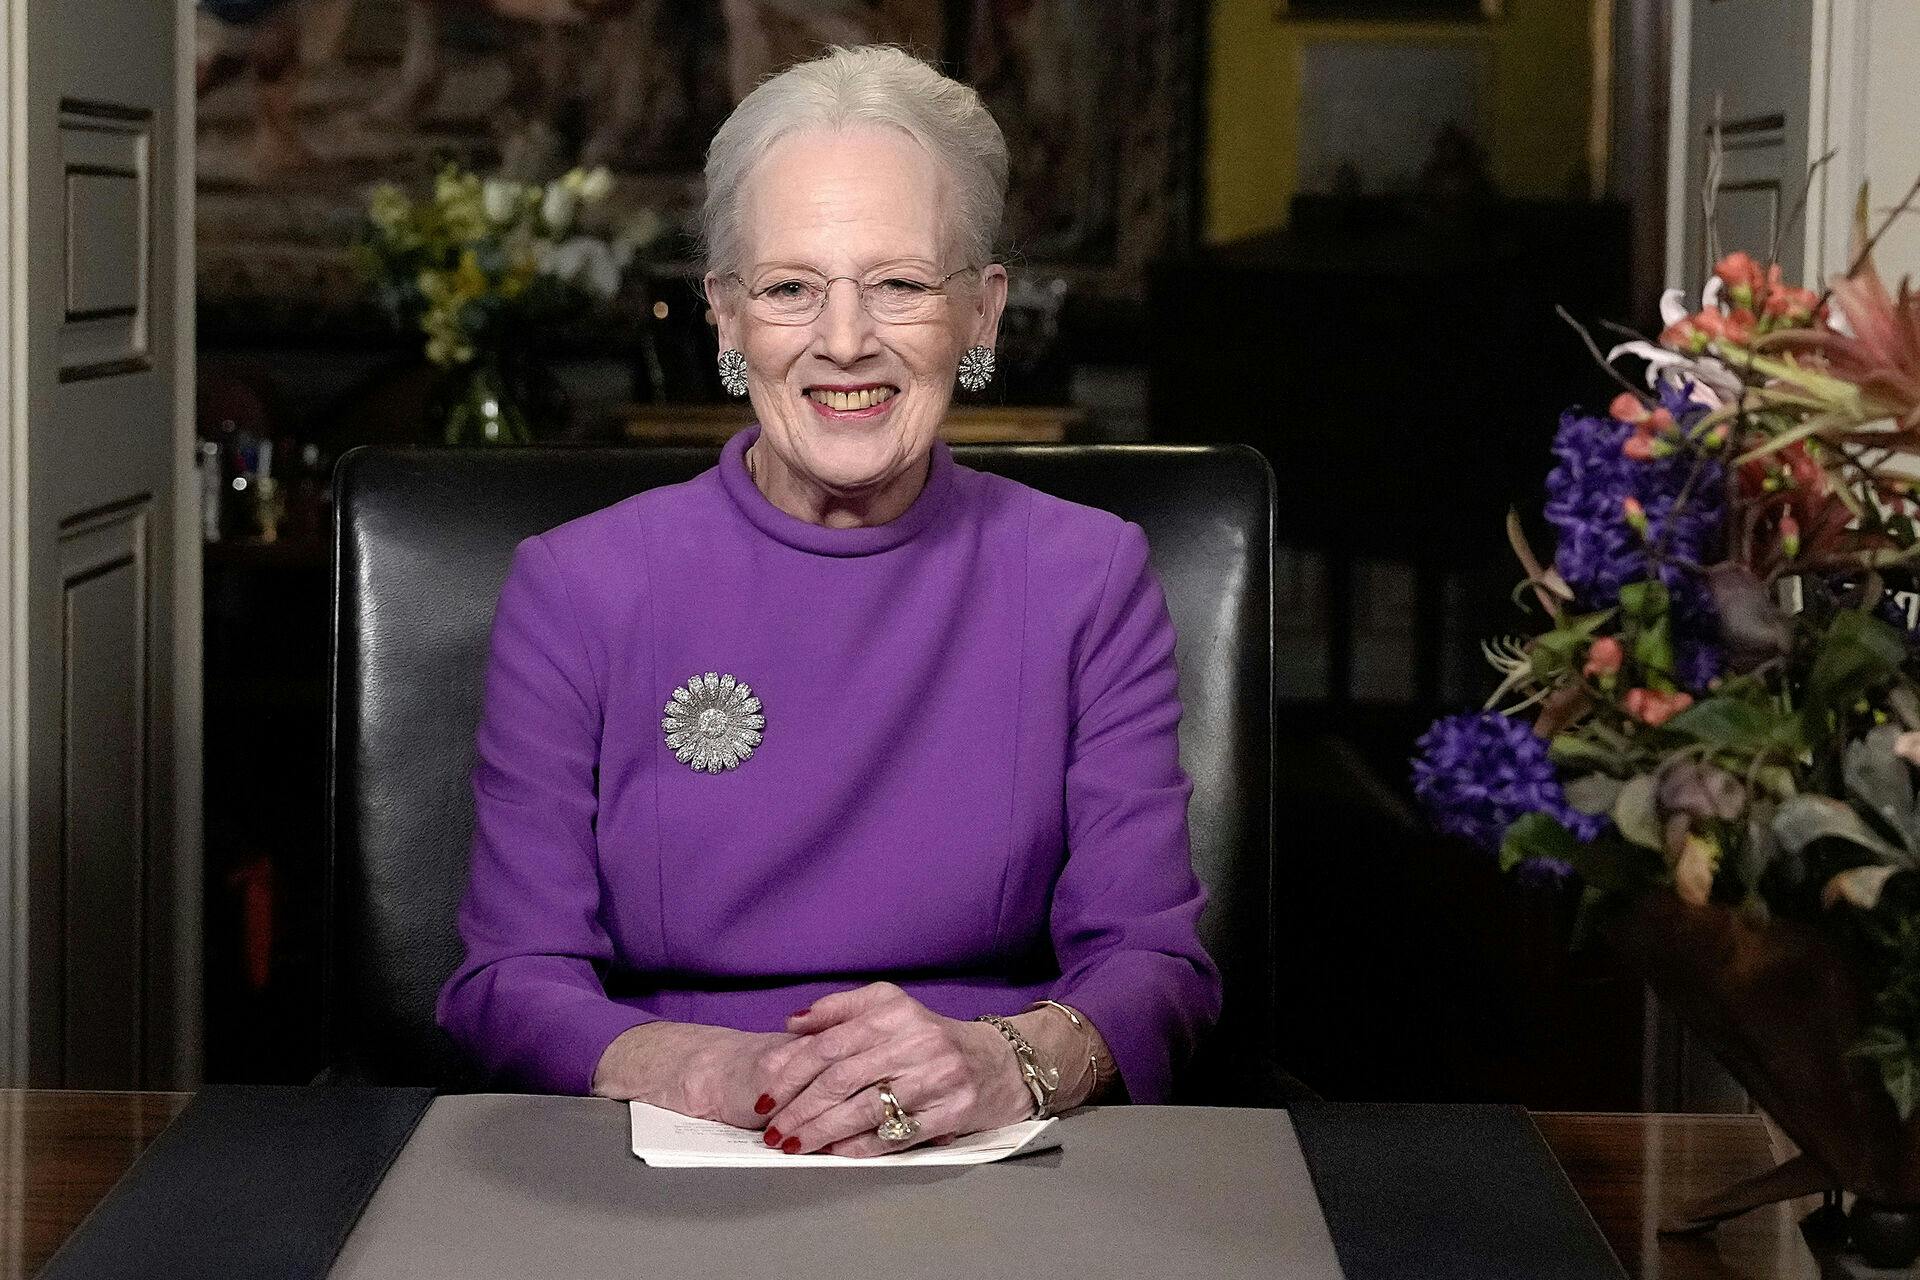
[871,84]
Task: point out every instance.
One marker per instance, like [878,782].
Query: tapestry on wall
[305,104]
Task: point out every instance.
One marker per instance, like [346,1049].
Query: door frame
[1864,96]
[13,540]
[1836,121]
[189,950]
[186,782]
[1679,109]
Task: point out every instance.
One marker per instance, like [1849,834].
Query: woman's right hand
[713,1073]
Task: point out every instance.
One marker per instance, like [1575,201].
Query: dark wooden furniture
[265,637]
[1635,1170]
[60,1152]
[1401,365]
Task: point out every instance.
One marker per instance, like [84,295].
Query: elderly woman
[836,791]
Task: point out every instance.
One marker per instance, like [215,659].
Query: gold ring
[899,1126]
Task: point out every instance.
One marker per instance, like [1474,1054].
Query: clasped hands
[812,1087]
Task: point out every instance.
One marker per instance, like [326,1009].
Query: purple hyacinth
[1477,774]
[1599,552]
[1676,396]
[1893,610]
[1698,658]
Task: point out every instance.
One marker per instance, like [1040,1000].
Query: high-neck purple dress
[968,780]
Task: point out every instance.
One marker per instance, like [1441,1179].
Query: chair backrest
[423,539]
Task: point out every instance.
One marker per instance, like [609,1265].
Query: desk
[60,1152]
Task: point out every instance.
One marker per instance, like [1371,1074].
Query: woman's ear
[721,301]
[992,302]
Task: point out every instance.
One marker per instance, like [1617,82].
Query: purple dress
[968,781]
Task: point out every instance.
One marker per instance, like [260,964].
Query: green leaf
[1858,886]
[1880,1041]
[1644,600]
[1575,754]
[1729,724]
[1858,653]
[1806,430]
[1653,651]
[1573,633]
[1892,1053]
[1648,634]
[1547,665]
[1881,782]
[1536,835]
[1636,815]
[1752,851]
[1594,793]
[1903,1084]
[1615,866]
[1559,649]
[1559,644]
[1587,921]
[1804,819]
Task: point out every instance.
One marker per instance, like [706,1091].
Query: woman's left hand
[953,1077]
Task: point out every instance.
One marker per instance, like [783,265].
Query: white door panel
[1749,61]
[104,888]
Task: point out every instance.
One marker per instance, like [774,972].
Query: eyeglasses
[798,297]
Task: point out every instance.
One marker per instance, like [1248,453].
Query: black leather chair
[423,539]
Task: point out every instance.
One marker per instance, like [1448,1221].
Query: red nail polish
[772,1137]
[764,1105]
[791,1146]
[801,1013]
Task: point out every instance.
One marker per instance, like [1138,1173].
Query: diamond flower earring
[976,368]
[733,372]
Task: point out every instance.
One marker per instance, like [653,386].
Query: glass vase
[1782,1006]
[479,404]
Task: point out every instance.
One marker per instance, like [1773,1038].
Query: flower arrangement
[477,262]
[1724,704]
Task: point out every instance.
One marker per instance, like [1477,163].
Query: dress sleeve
[1127,904]
[528,1003]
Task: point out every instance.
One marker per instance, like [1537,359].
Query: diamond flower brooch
[713,722]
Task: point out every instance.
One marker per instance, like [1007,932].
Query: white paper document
[668,1140]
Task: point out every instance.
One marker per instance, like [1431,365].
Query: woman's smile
[852,402]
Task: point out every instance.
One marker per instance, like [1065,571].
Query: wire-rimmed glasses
[798,297]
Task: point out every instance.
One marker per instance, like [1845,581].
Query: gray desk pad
[511,1186]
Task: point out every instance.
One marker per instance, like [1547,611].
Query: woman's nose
[844,327]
